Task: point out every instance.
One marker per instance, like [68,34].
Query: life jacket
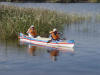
[32,32]
[55,36]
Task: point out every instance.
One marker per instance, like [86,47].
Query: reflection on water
[32,50]
[35,50]
[53,54]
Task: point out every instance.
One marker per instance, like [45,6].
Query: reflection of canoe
[44,41]
[63,49]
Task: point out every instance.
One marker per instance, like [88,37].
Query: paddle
[62,38]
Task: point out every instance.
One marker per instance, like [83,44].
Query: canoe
[44,41]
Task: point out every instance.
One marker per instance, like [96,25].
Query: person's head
[54,30]
[32,26]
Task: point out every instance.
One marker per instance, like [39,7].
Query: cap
[32,26]
[54,29]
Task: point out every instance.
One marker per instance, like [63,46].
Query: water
[84,59]
[83,8]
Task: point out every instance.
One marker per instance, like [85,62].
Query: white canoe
[44,41]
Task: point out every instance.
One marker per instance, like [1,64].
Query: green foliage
[92,0]
[14,20]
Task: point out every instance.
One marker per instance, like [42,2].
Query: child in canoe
[32,32]
[54,35]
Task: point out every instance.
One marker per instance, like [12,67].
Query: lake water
[84,59]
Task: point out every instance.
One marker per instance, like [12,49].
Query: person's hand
[27,32]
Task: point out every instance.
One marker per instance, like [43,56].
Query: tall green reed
[14,20]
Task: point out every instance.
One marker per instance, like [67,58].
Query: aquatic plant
[14,20]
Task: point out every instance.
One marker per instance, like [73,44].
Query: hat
[32,26]
[54,29]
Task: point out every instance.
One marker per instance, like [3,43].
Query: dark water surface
[84,59]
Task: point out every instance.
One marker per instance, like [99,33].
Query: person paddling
[32,32]
[54,35]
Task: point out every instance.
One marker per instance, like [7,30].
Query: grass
[16,19]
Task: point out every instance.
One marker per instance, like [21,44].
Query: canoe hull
[27,39]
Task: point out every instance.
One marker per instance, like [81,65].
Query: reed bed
[14,20]
[97,18]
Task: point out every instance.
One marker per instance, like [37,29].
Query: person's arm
[28,31]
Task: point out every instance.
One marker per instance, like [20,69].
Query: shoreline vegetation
[18,19]
[54,1]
